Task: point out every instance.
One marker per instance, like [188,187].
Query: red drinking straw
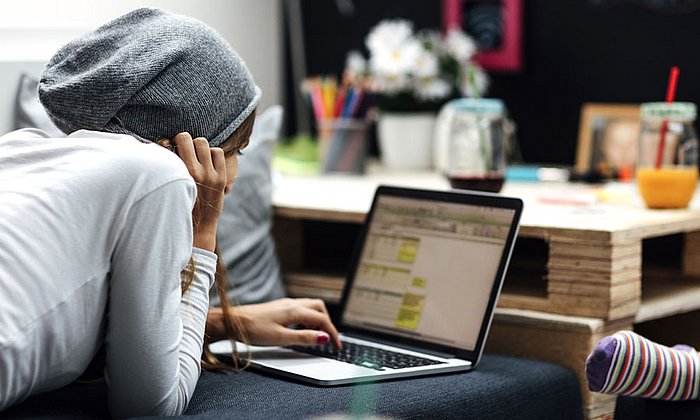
[670,95]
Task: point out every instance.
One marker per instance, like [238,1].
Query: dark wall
[591,51]
[574,51]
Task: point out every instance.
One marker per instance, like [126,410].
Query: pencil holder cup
[342,145]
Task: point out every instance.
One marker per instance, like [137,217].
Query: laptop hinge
[401,345]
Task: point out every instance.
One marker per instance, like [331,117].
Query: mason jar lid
[484,106]
[669,110]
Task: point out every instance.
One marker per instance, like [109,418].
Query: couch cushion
[29,112]
[244,237]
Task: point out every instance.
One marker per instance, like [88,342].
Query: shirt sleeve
[154,333]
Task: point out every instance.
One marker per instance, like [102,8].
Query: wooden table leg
[691,253]
[594,279]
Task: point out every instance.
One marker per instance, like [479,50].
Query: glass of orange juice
[667,163]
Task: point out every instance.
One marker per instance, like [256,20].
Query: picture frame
[607,138]
[508,57]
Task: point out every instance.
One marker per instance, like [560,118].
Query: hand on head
[207,166]
[266,324]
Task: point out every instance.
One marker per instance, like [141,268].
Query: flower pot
[406,139]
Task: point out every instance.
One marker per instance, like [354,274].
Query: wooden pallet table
[592,281]
[594,264]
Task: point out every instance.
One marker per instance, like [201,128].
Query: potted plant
[414,74]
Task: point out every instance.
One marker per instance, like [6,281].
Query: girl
[107,239]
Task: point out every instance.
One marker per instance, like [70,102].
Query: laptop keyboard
[366,356]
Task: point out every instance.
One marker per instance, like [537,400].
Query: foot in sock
[628,364]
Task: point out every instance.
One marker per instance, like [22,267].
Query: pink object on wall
[509,57]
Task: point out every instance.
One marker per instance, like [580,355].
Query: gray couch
[499,388]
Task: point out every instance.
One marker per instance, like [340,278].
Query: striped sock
[629,364]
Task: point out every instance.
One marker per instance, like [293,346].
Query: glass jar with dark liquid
[476,142]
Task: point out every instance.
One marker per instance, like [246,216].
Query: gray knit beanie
[152,74]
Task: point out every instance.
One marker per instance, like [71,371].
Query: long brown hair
[232,326]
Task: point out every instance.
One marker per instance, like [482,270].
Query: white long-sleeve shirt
[95,230]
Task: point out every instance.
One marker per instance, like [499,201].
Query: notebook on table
[420,292]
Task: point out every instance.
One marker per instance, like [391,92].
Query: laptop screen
[427,269]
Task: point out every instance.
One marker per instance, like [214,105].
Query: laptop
[420,293]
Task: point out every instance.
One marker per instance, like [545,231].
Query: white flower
[426,65]
[391,83]
[466,85]
[432,88]
[355,66]
[388,35]
[399,59]
[459,45]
